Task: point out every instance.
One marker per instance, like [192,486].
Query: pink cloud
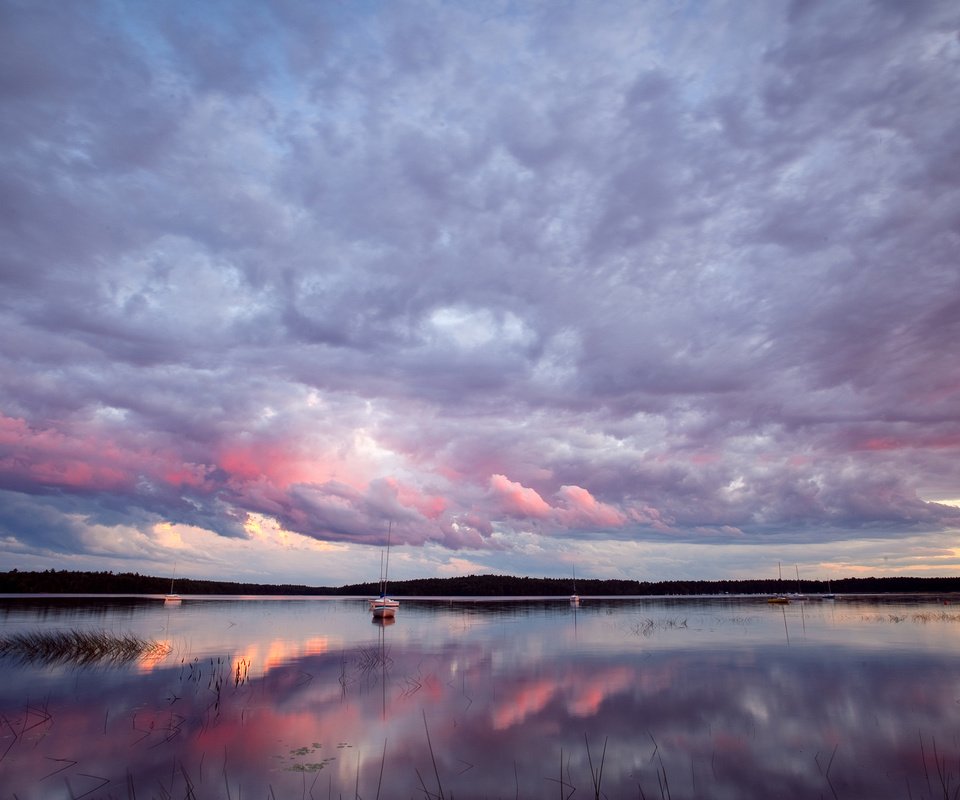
[647,515]
[194,475]
[928,442]
[51,458]
[583,508]
[89,458]
[519,500]
[281,464]
[429,506]
[702,459]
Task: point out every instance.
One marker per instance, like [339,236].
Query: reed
[647,626]
[79,647]
[921,618]
[596,775]
[941,616]
[433,758]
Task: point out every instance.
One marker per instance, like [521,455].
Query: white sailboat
[574,598]
[172,599]
[383,607]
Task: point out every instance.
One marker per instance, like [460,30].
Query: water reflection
[713,699]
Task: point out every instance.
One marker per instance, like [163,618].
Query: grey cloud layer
[700,263]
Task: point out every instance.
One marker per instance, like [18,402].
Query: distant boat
[829,595]
[384,607]
[779,599]
[799,595]
[172,599]
[574,598]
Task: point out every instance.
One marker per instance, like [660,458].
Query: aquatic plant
[647,626]
[596,775]
[923,617]
[79,647]
[940,616]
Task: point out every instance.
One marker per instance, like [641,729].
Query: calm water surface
[636,698]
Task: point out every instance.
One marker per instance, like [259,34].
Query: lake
[720,697]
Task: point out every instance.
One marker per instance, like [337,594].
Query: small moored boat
[172,599]
[384,607]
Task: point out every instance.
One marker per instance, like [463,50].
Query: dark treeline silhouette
[67,582]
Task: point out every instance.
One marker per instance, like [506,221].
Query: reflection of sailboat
[383,606]
[172,599]
[574,598]
[382,624]
[780,599]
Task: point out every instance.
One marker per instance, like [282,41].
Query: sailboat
[384,607]
[799,595]
[779,599]
[172,599]
[574,598]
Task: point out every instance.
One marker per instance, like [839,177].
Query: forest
[72,582]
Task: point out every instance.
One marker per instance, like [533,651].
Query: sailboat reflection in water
[383,607]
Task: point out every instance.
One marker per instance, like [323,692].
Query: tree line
[73,582]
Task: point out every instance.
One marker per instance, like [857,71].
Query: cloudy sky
[652,290]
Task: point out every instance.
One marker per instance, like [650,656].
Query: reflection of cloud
[586,697]
[263,658]
[582,694]
[522,702]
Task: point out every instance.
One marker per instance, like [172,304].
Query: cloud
[600,274]
[586,511]
[518,500]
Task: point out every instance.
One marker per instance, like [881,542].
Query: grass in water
[80,647]
[647,627]
[920,617]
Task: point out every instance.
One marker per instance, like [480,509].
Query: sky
[649,290]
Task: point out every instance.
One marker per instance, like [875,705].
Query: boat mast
[386,571]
